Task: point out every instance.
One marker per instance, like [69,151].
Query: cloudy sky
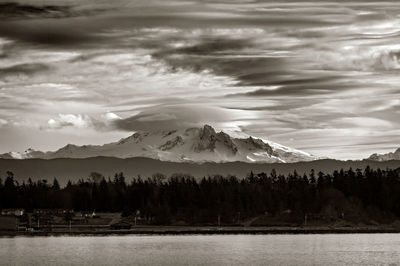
[320,76]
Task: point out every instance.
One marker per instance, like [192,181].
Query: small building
[13,212]
[42,212]
[88,214]
[62,212]
[287,211]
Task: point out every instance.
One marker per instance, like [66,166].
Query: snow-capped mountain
[193,145]
[386,157]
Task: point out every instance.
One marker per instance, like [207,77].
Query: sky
[319,76]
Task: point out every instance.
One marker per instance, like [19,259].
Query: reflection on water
[349,249]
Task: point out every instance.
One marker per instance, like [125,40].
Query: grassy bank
[188,230]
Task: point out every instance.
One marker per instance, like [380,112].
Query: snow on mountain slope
[193,144]
[29,153]
[385,157]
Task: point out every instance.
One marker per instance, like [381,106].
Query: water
[346,249]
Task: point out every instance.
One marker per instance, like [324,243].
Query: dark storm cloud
[212,45]
[308,80]
[57,33]
[281,106]
[301,86]
[27,69]
[206,18]
[251,71]
[55,25]
[58,25]
[17,10]
[292,90]
[226,57]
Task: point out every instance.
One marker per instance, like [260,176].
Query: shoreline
[204,230]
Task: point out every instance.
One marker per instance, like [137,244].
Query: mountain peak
[69,146]
[207,131]
[207,139]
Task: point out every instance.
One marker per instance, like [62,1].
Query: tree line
[351,194]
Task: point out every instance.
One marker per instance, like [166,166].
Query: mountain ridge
[180,145]
[386,156]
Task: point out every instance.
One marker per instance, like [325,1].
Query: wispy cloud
[175,116]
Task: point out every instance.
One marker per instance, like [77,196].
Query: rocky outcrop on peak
[258,144]
[207,139]
[171,143]
[227,142]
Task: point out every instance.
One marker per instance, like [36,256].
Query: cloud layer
[318,76]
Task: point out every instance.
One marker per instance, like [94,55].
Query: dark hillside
[74,169]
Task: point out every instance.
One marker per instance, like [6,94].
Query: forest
[361,195]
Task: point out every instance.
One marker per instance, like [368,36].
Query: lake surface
[327,249]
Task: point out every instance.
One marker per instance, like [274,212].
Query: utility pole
[219,220]
[305,219]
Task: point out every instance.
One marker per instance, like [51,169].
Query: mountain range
[195,151]
[197,145]
[385,157]
[192,145]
